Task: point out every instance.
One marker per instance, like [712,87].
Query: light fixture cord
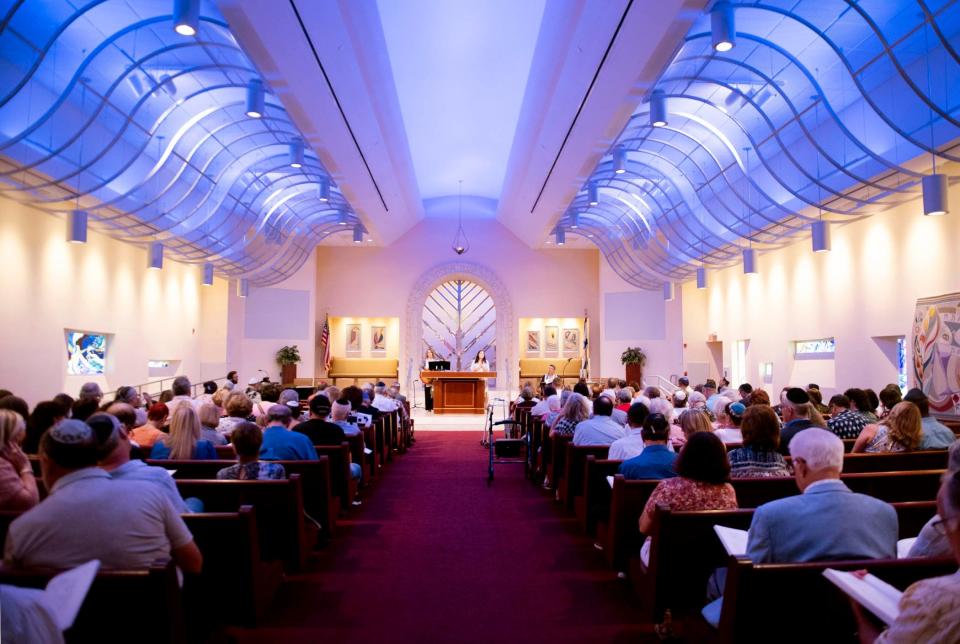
[926,47]
[816,118]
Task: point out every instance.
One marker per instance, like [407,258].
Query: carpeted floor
[436,554]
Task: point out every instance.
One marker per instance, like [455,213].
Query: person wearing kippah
[795,408]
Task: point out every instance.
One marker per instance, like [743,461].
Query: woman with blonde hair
[690,422]
[209,419]
[573,413]
[900,431]
[18,487]
[184,442]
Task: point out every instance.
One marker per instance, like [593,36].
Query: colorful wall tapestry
[936,352]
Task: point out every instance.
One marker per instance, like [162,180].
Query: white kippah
[680,394]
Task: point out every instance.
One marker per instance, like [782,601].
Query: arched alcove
[412,322]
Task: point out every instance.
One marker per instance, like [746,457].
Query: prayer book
[733,540]
[610,481]
[65,593]
[903,547]
[874,594]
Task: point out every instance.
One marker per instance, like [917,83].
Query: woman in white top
[430,356]
[480,362]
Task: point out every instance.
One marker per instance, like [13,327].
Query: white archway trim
[413,321]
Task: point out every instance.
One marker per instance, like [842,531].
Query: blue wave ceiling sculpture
[105,108]
[821,110]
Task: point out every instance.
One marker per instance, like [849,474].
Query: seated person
[826,521]
[574,412]
[691,421]
[601,429]
[281,444]
[209,420]
[239,409]
[795,408]
[935,434]
[18,487]
[932,540]
[184,442]
[88,515]
[702,481]
[657,459]
[113,455]
[527,399]
[247,439]
[844,422]
[146,435]
[624,399]
[930,608]
[900,431]
[365,406]
[632,444]
[382,401]
[340,414]
[729,416]
[860,403]
[761,438]
[542,407]
[318,429]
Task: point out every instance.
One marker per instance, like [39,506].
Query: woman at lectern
[480,362]
[429,357]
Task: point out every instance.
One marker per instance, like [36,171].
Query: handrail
[196,388]
[665,383]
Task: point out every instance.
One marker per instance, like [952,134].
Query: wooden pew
[342,486]
[358,454]
[319,500]
[895,461]
[684,552]
[573,480]
[538,433]
[226,452]
[767,602]
[594,505]
[283,533]
[112,611]
[6,518]
[621,534]
[556,458]
[231,560]
[373,461]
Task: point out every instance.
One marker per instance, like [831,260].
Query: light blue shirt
[599,430]
[281,444]
[137,470]
[935,435]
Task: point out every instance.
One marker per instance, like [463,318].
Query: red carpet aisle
[435,555]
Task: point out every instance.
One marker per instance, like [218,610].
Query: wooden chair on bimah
[685,551]
[796,603]
[231,560]
[320,501]
[281,527]
[109,613]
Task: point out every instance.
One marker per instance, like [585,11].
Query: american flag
[585,372]
[325,341]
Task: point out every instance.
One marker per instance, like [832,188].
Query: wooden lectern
[458,392]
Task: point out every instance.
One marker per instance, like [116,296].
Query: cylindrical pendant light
[820,234]
[342,217]
[255,98]
[77,227]
[357,234]
[574,219]
[323,190]
[243,288]
[935,195]
[593,198]
[186,17]
[668,293]
[619,160]
[560,236]
[749,261]
[658,108]
[155,256]
[701,278]
[208,274]
[722,27]
[296,152]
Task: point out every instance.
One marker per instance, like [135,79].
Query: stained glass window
[820,345]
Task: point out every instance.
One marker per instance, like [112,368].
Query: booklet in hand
[733,540]
[874,594]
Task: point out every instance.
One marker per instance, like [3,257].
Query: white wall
[50,285]
[631,317]
[865,288]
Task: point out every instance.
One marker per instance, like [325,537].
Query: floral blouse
[685,494]
[749,462]
[883,442]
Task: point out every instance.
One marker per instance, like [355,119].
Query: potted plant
[287,358]
[634,359]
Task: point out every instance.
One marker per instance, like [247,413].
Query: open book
[610,481]
[733,540]
[903,547]
[874,594]
[65,593]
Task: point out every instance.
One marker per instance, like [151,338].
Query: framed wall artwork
[571,342]
[353,341]
[551,343]
[378,340]
[533,343]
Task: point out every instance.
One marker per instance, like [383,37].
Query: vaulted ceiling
[821,110]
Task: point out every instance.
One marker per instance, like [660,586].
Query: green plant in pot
[288,358]
[634,359]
